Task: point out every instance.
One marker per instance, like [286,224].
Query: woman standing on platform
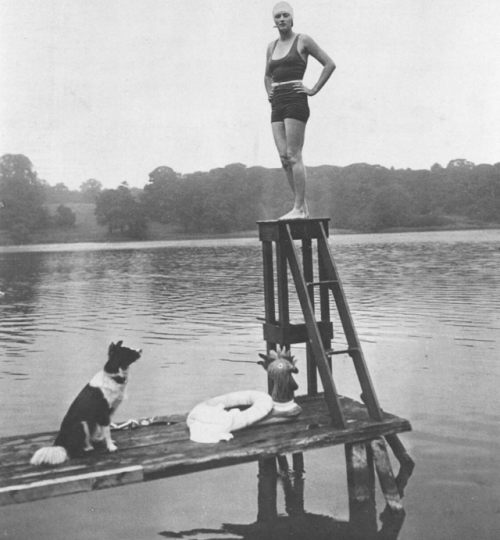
[286,64]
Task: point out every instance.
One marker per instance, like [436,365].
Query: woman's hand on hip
[301,89]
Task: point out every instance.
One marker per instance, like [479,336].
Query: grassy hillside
[87,230]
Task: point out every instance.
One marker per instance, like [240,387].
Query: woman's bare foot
[296,213]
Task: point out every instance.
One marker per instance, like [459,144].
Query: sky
[112,89]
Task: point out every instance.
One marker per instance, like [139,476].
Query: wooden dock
[164,449]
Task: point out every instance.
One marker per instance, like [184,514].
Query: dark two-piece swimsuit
[287,102]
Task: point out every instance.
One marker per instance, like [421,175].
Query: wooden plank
[331,395]
[295,333]
[301,229]
[69,485]
[164,450]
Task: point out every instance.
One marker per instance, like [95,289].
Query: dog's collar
[119,379]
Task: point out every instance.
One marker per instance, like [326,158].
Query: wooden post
[267,257]
[298,463]
[282,276]
[267,494]
[312,378]
[385,475]
[406,463]
[361,490]
[269,296]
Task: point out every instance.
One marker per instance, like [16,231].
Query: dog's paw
[88,448]
[112,447]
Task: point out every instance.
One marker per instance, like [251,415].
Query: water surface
[426,307]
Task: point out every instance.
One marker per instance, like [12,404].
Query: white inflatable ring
[210,422]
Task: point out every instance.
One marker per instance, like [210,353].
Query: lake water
[426,307]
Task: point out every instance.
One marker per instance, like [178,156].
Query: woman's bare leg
[295,133]
[289,139]
[279,135]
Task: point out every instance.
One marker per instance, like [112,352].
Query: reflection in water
[20,287]
[298,523]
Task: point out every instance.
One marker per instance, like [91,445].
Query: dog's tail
[51,455]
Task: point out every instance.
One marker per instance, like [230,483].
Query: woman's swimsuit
[287,102]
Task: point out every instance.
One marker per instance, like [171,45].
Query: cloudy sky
[111,89]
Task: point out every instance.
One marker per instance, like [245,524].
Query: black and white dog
[89,416]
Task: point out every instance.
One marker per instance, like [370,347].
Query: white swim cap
[283,6]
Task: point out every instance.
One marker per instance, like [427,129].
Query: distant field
[87,230]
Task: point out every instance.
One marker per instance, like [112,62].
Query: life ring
[210,422]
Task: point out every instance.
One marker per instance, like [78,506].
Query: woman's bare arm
[310,47]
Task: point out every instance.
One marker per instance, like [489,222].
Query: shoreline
[52,240]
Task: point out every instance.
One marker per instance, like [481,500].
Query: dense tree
[22,197]
[160,196]
[119,210]
[222,200]
[65,217]
[90,190]
[391,207]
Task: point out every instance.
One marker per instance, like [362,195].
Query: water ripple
[188,299]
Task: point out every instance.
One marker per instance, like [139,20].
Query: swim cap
[283,6]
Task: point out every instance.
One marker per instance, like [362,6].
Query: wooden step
[301,229]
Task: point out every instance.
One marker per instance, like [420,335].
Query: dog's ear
[119,344]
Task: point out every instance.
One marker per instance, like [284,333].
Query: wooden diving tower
[278,243]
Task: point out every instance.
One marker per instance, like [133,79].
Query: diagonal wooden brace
[385,475]
[331,273]
[331,396]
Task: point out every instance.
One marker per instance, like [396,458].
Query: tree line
[358,197]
